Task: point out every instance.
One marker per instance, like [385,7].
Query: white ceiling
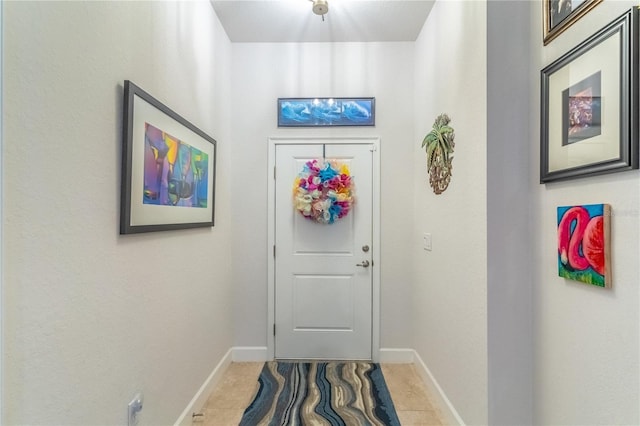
[347,20]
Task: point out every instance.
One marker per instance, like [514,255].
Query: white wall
[450,282]
[1,208]
[586,338]
[90,317]
[262,72]
[509,294]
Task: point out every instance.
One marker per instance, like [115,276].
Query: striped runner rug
[321,393]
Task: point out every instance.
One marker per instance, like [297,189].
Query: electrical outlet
[134,408]
[426,241]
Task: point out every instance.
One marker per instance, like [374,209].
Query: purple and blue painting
[175,173]
[312,112]
[583,244]
[582,110]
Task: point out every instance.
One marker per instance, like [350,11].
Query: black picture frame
[168,168]
[559,15]
[605,68]
[326,112]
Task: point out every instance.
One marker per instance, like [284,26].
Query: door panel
[310,305]
[323,299]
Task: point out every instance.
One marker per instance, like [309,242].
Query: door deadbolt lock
[365,248]
[364,264]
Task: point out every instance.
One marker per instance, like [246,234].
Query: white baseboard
[205,390]
[396,356]
[250,354]
[448,411]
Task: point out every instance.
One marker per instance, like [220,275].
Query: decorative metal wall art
[439,146]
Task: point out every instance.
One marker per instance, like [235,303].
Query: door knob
[364,264]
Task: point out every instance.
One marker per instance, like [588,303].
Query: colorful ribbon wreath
[323,192]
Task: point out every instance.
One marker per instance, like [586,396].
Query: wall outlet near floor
[134,408]
[426,241]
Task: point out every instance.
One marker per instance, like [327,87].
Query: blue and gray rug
[321,393]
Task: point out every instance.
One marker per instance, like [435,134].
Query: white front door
[323,272]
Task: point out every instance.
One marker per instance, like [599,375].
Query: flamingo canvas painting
[584,244]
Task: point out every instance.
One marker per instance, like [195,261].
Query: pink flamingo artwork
[584,243]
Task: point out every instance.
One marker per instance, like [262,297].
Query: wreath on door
[323,191]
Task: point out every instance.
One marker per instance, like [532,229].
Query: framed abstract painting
[589,105]
[168,168]
[584,244]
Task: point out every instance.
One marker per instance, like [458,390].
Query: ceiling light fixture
[320,7]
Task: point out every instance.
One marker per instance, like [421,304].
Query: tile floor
[236,391]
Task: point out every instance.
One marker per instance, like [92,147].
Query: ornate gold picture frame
[558,15]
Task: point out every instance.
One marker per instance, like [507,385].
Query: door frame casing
[375,232]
